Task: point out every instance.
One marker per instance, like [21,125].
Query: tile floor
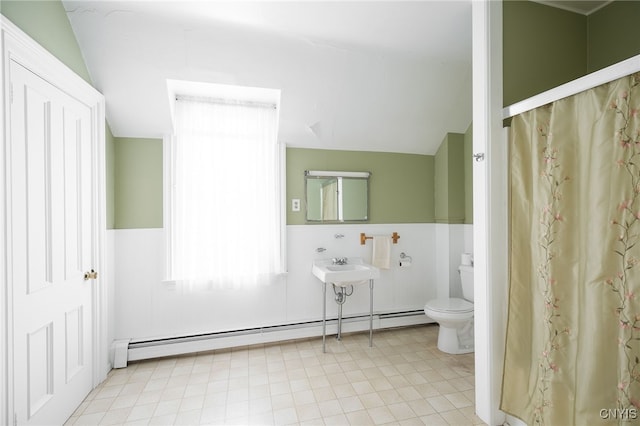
[402,380]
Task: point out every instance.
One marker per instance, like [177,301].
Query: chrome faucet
[339,260]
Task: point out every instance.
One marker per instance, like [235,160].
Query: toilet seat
[451,305]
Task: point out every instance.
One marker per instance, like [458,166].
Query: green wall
[613,34]
[401,185]
[468,175]
[47,23]
[449,180]
[138,183]
[544,46]
[110,153]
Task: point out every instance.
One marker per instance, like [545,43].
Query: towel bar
[364,238]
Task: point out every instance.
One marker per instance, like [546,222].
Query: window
[225,224]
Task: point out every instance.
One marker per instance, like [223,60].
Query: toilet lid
[450,305]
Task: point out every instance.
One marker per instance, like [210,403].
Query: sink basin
[354,272]
[347,267]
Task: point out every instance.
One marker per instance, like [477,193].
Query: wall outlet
[295,204]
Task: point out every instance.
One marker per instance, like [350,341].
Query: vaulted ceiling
[362,75]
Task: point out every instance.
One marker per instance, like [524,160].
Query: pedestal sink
[343,273]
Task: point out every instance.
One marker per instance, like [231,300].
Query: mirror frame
[320,174]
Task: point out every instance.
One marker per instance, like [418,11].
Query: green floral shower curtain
[573,333]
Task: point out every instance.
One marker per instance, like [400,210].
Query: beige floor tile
[124,401]
[337,378]
[324,394]
[338,419]
[212,415]
[264,419]
[279,402]
[89,419]
[300,385]
[372,373]
[167,407]
[371,400]
[434,420]
[108,391]
[176,392]
[363,387]
[304,397]
[441,404]
[215,399]
[115,417]
[355,375]
[237,409]
[455,417]
[359,418]
[351,403]
[381,383]
[389,370]
[403,380]
[398,381]
[416,378]
[401,411]
[169,419]
[330,408]
[192,403]
[141,412]
[421,407]
[444,387]
[409,393]
[344,390]
[285,416]
[458,400]
[414,421]
[381,415]
[278,376]
[188,417]
[461,384]
[390,396]
[307,412]
[96,406]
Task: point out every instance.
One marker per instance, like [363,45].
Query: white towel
[381,256]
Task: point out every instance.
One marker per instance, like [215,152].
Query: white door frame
[19,47]
[490,209]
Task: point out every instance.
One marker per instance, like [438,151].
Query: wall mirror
[337,196]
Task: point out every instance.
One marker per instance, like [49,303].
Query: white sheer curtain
[225,218]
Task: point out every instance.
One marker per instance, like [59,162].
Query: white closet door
[50,231]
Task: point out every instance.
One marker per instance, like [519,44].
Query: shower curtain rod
[589,81]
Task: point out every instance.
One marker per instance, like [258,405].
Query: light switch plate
[295,204]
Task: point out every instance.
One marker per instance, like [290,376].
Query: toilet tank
[466,276]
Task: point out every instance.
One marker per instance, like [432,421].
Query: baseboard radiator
[147,349]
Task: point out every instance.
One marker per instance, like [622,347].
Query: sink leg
[339,335]
[370,313]
[324,316]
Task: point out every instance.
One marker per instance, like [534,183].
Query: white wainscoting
[146,308]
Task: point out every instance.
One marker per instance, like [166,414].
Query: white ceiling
[363,75]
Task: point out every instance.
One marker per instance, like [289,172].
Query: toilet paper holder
[405,260]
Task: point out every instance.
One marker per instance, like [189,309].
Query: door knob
[93,275]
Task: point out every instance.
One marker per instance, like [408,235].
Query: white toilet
[455,317]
